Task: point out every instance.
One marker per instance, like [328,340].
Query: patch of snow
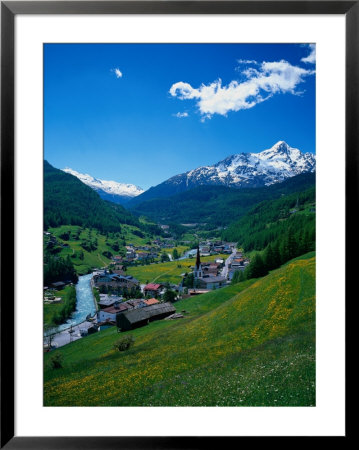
[111,187]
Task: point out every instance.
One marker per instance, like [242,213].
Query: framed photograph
[174,182]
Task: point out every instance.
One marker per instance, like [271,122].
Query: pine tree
[256,268]
[291,244]
[268,257]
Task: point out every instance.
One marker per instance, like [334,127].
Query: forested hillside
[270,220]
[68,201]
[217,205]
[275,232]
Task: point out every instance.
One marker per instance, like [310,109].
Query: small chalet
[110,313]
[237,263]
[152,289]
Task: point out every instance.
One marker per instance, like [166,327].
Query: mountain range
[244,170]
[108,190]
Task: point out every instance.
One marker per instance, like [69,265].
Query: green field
[250,344]
[95,258]
[168,272]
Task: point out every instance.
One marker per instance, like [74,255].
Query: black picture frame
[9,9]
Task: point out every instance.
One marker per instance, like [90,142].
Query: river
[188,254]
[85,304]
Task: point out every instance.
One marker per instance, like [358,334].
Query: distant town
[123,301]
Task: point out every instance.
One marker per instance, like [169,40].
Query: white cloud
[247,61]
[118,72]
[180,115]
[270,78]
[311,58]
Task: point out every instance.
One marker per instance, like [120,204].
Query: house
[152,289]
[211,282]
[205,251]
[210,269]
[143,256]
[142,316]
[237,266]
[237,263]
[111,312]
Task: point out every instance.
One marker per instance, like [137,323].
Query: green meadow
[85,260]
[249,344]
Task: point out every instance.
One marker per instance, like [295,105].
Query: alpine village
[199,291]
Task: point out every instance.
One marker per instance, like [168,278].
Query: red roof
[152,287]
[151,301]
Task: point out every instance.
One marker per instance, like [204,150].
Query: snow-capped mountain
[255,169]
[108,190]
[242,170]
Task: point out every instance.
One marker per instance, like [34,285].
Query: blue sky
[143,113]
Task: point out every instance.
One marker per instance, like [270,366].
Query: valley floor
[249,344]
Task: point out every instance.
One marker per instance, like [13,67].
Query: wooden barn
[142,316]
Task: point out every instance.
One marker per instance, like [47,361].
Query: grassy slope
[248,344]
[167,272]
[94,258]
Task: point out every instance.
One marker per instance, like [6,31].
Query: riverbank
[60,309]
[64,337]
[85,306]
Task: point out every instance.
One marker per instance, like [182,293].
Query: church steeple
[198,259]
[198,269]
